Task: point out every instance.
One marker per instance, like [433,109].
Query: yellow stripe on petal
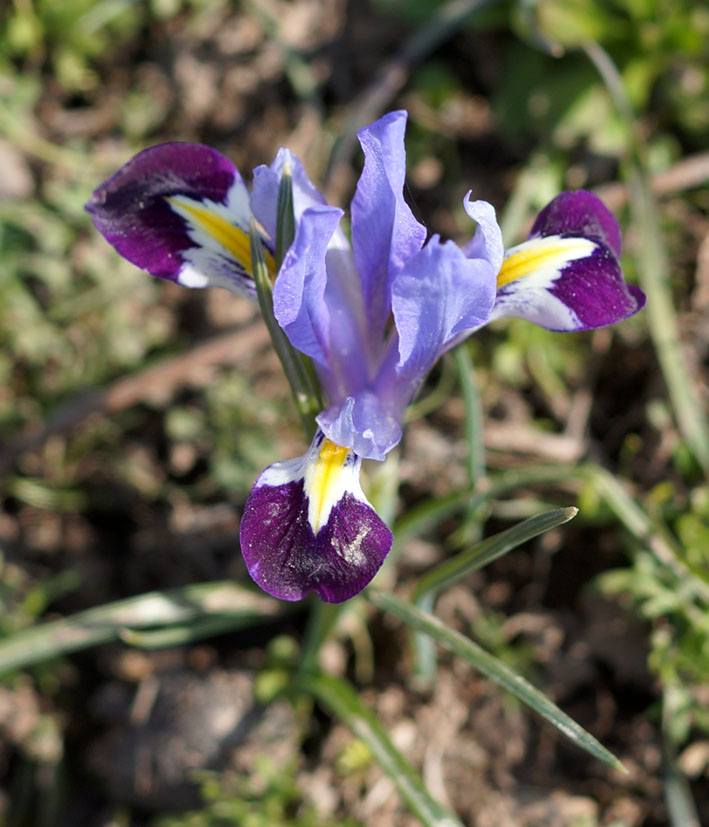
[324,483]
[232,238]
[547,255]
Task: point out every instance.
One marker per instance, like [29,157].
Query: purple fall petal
[579,214]
[289,553]
[132,212]
[567,275]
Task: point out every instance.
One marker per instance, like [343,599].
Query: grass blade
[653,271]
[431,512]
[466,562]
[681,809]
[343,701]
[495,670]
[153,610]
[473,414]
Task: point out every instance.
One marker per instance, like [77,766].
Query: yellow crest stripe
[549,253]
[322,485]
[235,240]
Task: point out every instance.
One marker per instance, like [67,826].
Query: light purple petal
[299,291]
[385,233]
[487,241]
[264,193]
[150,212]
[369,423]
[567,275]
[289,552]
[317,302]
[438,296]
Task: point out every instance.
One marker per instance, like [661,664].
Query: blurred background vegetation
[134,415]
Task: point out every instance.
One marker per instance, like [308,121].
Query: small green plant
[268,796]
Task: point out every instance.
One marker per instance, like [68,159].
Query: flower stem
[653,271]
[305,393]
[321,620]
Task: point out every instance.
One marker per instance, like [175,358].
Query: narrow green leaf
[654,270]
[431,512]
[341,698]
[466,562]
[424,649]
[463,564]
[285,215]
[473,414]
[153,610]
[681,809]
[305,393]
[493,669]
[184,633]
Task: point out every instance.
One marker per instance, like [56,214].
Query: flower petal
[567,275]
[299,291]
[307,526]
[368,422]
[578,214]
[487,241]
[385,233]
[264,192]
[317,303]
[437,297]
[181,212]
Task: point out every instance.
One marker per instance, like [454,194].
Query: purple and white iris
[373,315]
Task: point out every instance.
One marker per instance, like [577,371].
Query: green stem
[321,620]
[653,271]
[473,414]
[345,703]
[306,396]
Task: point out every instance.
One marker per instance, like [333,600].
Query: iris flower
[373,314]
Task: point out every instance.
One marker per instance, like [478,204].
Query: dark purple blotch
[131,212]
[286,559]
[593,287]
[579,214]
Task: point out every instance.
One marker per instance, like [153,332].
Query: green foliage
[69,35]
[677,607]
[654,43]
[268,796]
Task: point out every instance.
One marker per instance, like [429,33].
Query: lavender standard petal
[370,421]
[264,192]
[299,291]
[487,241]
[317,303]
[439,295]
[385,233]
